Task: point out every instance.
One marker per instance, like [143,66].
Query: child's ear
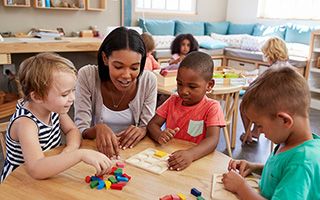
[287,120]
[210,85]
[36,98]
[104,58]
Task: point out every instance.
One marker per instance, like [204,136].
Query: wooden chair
[229,101]
[3,129]
[247,133]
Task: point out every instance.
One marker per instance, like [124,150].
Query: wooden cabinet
[314,69]
[16,3]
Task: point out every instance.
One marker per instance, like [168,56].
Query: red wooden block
[101,177]
[167,197]
[88,179]
[124,183]
[112,170]
[127,176]
[116,186]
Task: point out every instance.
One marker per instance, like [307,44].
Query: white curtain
[289,9]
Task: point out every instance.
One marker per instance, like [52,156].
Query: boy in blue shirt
[278,103]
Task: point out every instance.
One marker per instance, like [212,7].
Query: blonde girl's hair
[148,42]
[275,49]
[278,89]
[36,74]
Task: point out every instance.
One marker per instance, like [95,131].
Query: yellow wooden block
[182,196]
[160,154]
[108,184]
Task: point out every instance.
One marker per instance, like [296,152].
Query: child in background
[278,103]
[48,83]
[151,63]
[191,115]
[181,46]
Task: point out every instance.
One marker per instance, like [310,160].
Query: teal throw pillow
[299,33]
[241,28]
[195,28]
[272,31]
[157,27]
[219,28]
[213,44]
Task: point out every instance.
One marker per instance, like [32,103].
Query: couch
[237,45]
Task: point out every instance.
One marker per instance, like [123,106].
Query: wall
[245,11]
[207,11]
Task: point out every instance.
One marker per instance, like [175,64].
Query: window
[289,9]
[166,6]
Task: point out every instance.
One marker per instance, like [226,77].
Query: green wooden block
[200,198]
[94,184]
[117,171]
[112,180]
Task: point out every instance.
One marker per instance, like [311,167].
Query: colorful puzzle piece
[148,161]
[101,185]
[88,179]
[94,184]
[200,198]
[195,192]
[182,196]
[120,164]
[108,184]
[167,197]
[116,186]
[175,197]
[117,171]
[112,180]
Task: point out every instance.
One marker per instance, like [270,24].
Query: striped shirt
[48,135]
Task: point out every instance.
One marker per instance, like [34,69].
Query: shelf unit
[314,71]
[35,4]
[16,3]
[100,5]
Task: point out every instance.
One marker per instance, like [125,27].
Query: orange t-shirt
[151,63]
[192,120]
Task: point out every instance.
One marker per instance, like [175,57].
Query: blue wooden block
[120,178]
[101,185]
[195,192]
[94,178]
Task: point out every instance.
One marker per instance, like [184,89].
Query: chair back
[3,129]
[228,98]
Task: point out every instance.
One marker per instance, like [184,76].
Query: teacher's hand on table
[131,136]
[179,160]
[106,140]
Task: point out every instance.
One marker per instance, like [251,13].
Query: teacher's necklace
[114,104]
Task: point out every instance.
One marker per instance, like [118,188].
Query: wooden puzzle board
[148,161]
[218,190]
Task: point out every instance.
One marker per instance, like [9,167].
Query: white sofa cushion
[298,49]
[253,43]
[163,41]
[231,40]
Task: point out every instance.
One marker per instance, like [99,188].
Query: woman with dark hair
[183,44]
[116,98]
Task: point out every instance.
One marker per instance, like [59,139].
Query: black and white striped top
[49,137]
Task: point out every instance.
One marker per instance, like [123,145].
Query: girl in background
[151,63]
[181,46]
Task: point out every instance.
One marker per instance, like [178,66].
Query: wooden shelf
[16,3]
[96,5]
[37,4]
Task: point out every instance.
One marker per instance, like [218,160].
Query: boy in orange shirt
[191,115]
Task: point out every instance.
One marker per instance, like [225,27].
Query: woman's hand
[131,136]
[106,141]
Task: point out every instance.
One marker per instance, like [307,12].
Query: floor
[254,152]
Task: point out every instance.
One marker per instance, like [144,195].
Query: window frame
[166,11]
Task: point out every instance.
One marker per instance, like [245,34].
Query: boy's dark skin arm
[181,159]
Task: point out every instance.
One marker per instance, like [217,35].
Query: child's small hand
[179,160]
[98,160]
[232,181]
[241,165]
[167,135]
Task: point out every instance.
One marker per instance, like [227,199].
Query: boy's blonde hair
[278,89]
[276,49]
[148,42]
[36,74]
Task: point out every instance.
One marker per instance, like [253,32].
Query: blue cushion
[213,44]
[241,28]
[299,33]
[273,31]
[157,27]
[219,28]
[195,28]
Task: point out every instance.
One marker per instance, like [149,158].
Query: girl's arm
[73,136]
[39,166]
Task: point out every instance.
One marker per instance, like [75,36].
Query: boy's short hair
[276,49]
[36,73]
[199,62]
[278,89]
[148,42]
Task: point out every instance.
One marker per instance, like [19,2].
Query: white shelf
[314,89]
[315,104]
[316,50]
[316,70]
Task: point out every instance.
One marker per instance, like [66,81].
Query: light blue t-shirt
[293,174]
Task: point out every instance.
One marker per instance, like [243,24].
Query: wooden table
[216,89]
[71,184]
[27,45]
